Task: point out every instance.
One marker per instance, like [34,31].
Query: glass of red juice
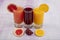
[28,17]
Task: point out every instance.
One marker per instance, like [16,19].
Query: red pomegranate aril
[28,31]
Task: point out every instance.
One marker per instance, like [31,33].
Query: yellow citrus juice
[38,16]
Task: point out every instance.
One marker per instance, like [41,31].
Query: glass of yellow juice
[38,17]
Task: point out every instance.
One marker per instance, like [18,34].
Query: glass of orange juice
[17,13]
[38,15]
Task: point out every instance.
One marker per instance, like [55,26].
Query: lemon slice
[44,7]
[39,32]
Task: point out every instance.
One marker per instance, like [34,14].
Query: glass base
[18,25]
[38,26]
[28,26]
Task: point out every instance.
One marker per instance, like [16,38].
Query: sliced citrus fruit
[18,32]
[44,7]
[39,32]
[11,7]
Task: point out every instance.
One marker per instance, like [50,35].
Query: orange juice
[18,15]
[38,16]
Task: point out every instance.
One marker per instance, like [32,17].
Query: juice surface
[18,15]
[38,16]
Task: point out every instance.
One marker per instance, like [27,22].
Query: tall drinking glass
[18,16]
[28,17]
[38,15]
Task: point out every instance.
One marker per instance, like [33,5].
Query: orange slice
[44,7]
[39,32]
